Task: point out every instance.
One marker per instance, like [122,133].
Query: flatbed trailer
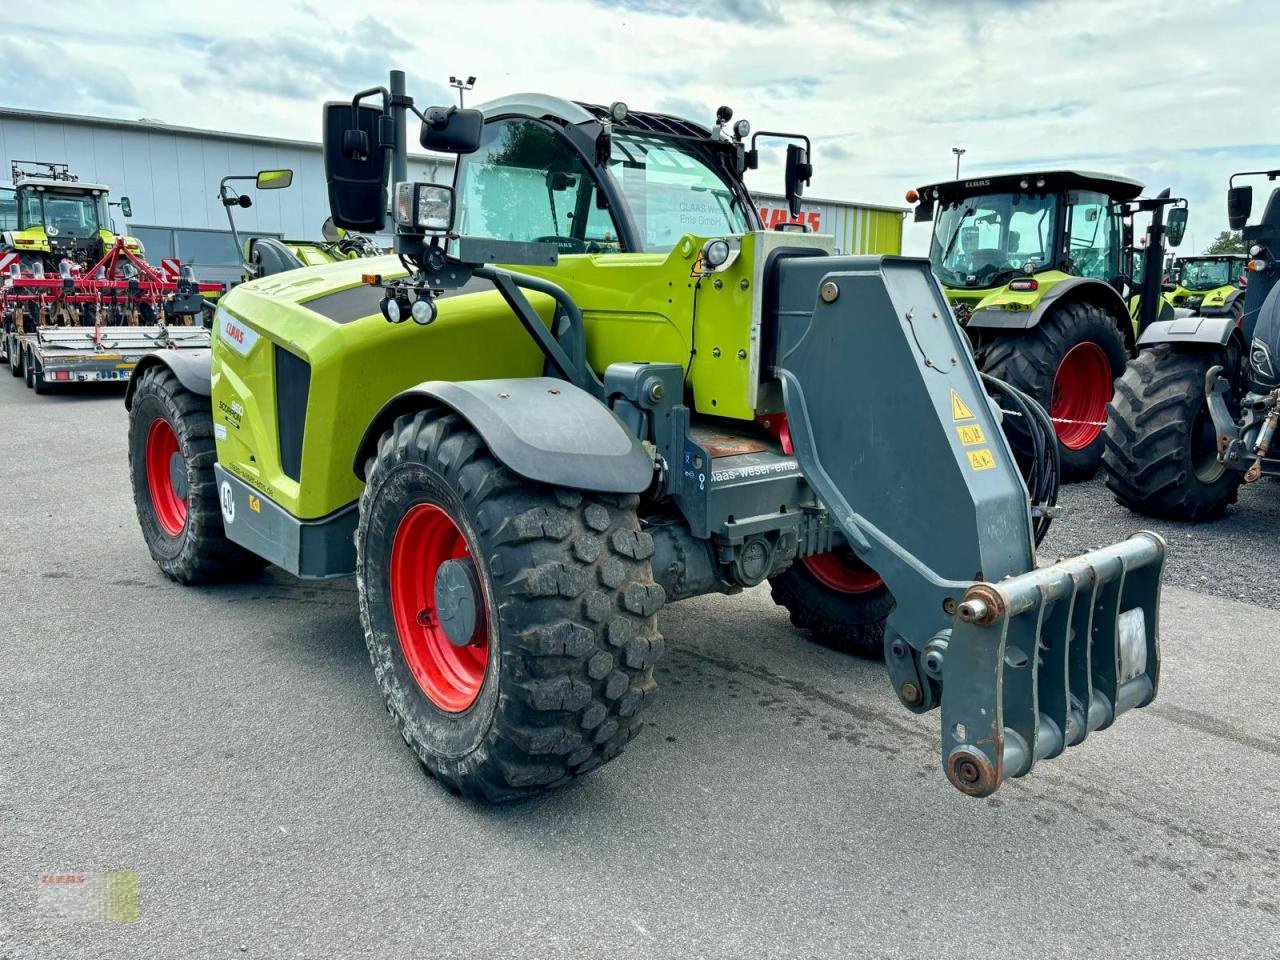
[96,324]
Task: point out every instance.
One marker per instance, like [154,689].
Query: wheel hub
[1082,389]
[166,470]
[457,601]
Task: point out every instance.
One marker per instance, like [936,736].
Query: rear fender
[1072,289]
[541,428]
[1212,332]
[193,368]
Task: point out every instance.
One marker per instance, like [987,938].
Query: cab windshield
[986,240]
[671,191]
[77,215]
[1207,274]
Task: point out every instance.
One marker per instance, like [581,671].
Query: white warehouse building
[171,174]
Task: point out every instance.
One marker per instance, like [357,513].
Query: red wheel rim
[162,448]
[450,676]
[1082,388]
[841,572]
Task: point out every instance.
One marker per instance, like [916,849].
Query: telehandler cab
[1196,413]
[657,400]
[1034,266]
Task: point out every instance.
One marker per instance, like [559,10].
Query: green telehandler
[1035,266]
[524,447]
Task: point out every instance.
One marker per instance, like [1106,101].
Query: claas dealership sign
[772,216]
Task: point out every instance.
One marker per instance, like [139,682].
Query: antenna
[461,85]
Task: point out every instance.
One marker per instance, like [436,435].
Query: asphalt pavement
[230,746]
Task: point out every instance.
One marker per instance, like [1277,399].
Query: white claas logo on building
[772,216]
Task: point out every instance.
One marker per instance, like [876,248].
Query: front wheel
[842,603]
[511,625]
[175,491]
[1161,454]
[1069,363]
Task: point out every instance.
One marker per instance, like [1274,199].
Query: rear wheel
[42,385]
[15,356]
[1069,363]
[175,491]
[28,369]
[839,600]
[1162,452]
[511,625]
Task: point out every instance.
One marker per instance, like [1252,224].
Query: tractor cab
[994,236]
[57,216]
[1208,286]
[1262,243]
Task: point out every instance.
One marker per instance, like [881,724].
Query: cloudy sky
[1175,93]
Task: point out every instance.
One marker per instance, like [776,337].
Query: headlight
[424,207]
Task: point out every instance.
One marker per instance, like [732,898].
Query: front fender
[193,368]
[542,428]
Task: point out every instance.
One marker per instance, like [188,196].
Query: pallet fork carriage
[517,515]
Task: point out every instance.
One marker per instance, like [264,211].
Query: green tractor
[265,256]
[653,399]
[1035,267]
[1209,286]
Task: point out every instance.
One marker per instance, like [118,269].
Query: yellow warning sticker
[971,435]
[981,460]
[959,409]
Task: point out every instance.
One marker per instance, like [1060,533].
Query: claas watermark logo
[111,896]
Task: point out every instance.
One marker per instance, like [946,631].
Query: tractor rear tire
[846,614]
[1161,457]
[177,500]
[549,675]
[1036,362]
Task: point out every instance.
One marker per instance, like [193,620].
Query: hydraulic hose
[1035,446]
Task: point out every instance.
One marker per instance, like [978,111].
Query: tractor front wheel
[512,625]
[1069,363]
[175,491]
[1162,448]
[841,602]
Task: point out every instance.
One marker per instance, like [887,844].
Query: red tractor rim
[1082,389]
[843,573]
[449,676]
[162,448]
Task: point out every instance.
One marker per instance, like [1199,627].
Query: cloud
[742,11]
[34,70]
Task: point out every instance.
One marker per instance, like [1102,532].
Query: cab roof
[65,186]
[541,106]
[1117,188]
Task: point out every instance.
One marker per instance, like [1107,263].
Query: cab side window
[1093,244]
[527,183]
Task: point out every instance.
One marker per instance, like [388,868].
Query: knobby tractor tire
[560,662]
[849,620]
[1161,456]
[1031,360]
[183,528]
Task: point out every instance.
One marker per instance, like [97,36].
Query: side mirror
[329,230]
[357,165]
[126,207]
[274,179]
[1177,226]
[799,172]
[1239,206]
[452,130]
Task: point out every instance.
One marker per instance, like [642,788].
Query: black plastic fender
[1073,288]
[1190,331]
[542,428]
[193,368]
